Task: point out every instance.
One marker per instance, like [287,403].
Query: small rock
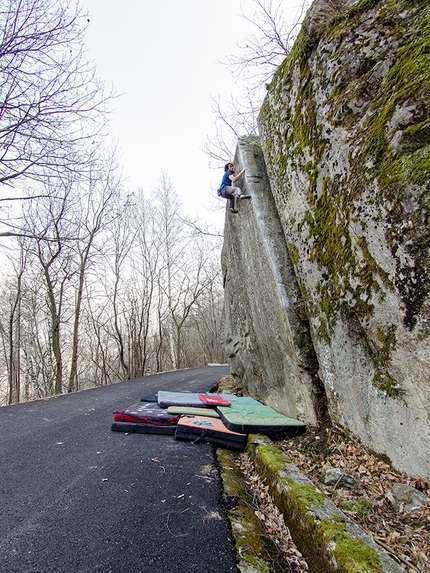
[333,476]
[408,497]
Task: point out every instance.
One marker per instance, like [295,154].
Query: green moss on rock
[294,253]
[384,159]
[349,271]
[272,462]
[324,541]
[272,458]
[360,506]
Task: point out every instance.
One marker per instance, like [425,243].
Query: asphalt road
[79,498]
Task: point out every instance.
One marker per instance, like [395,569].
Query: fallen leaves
[271,518]
[405,536]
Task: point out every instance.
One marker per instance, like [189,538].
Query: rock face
[266,331]
[345,132]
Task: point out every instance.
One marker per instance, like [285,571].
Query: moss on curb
[248,532]
[351,554]
[325,542]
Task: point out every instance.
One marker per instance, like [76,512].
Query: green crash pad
[258,419]
[190,410]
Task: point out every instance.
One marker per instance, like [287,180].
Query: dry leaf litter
[405,535]
[291,560]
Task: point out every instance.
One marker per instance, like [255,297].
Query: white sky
[163,55]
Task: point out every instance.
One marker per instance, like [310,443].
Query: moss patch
[272,462]
[349,272]
[351,554]
[293,251]
[360,506]
[319,539]
[272,458]
[387,118]
[256,551]
[382,378]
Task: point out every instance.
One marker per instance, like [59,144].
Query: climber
[228,190]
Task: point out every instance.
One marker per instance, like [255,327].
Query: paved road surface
[78,498]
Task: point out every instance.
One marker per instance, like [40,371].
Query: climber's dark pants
[231,192]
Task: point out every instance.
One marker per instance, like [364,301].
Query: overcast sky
[162,55]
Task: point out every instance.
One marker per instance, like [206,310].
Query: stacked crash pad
[145,418]
[208,429]
[221,419]
[258,419]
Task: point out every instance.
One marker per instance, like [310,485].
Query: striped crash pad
[141,428]
[146,413]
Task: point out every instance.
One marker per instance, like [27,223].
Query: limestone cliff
[336,292]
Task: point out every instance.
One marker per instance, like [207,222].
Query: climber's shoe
[234,211]
[245,197]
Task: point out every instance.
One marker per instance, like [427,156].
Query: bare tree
[121,237]
[185,272]
[18,316]
[237,116]
[202,340]
[50,250]
[94,214]
[259,55]
[135,266]
[101,364]
[51,101]
[108,287]
[173,252]
[63,225]
[145,269]
[10,327]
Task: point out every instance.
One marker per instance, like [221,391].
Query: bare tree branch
[197,230]
[259,55]
[51,101]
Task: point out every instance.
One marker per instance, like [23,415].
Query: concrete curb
[329,541]
[249,534]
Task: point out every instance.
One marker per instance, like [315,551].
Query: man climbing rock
[228,189]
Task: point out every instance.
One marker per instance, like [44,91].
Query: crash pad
[207,429]
[148,413]
[142,428]
[258,419]
[233,399]
[213,400]
[166,399]
[193,411]
[150,398]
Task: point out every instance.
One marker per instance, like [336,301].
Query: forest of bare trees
[102,287]
[98,284]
